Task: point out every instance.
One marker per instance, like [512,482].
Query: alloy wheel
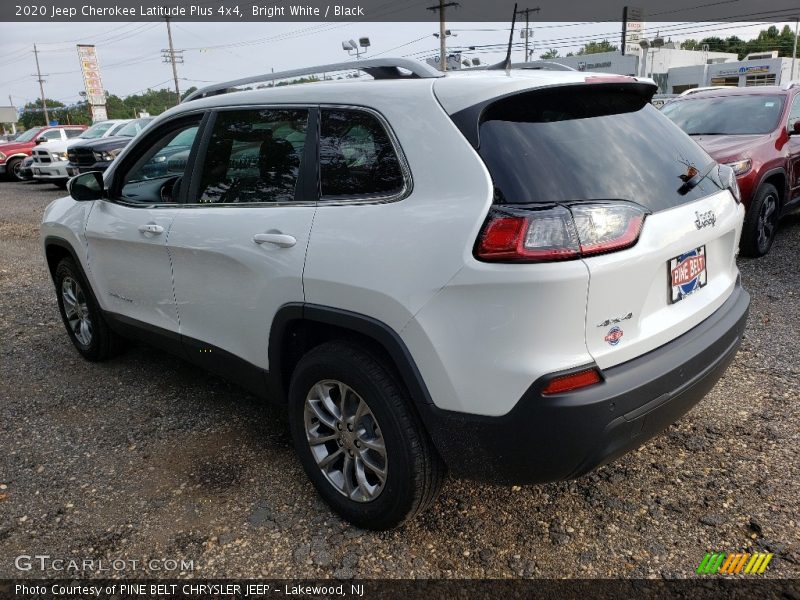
[346,440]
[76,310]
[767,221]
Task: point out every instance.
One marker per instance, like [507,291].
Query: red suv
[14,152]
[756,131]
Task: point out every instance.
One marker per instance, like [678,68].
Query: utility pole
[41,85]
[794,50]
[173,56]
[442,33]
[527,12]
[13,125]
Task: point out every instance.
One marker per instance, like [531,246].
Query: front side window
[157,176]
[253,156]
[356,156]
[73,133]
[794,113]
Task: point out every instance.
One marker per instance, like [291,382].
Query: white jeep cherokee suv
[516,276]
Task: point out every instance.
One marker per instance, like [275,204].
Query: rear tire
[82,317]
[350,404]
[761,222]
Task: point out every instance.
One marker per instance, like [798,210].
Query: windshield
[96,131]
[133,128]
[579,144]
[726,115]
[28,135]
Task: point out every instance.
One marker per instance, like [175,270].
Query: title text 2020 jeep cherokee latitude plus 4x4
[514,276]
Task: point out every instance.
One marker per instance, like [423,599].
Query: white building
[755,69]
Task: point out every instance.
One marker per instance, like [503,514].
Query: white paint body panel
[229,288]
[131,270]
[636,280]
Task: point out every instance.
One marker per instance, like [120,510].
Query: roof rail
[542,65]
[790,84]
[379,68]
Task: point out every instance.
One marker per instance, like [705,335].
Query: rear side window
[590,142]
[254,156]
[356,156]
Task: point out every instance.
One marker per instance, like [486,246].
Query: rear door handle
[279,239]
[151,228]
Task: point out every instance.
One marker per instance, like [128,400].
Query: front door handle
[151,228]
[279,239]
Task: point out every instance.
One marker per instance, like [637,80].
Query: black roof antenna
[506,64]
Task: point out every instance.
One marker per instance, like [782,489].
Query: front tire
[761,222]
[83,319]
[358,438]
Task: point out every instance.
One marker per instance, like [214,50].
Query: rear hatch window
[589,142]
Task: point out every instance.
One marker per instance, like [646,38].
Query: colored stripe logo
[732,564]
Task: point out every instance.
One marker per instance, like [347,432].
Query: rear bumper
[563,436]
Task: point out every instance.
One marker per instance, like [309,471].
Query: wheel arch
[299,327]
[57,249]
[778,178]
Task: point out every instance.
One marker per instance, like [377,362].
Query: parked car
[756,131]
[50,161]
[13,153]
[97,155]
[464,272]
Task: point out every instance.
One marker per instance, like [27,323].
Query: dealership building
[676,70]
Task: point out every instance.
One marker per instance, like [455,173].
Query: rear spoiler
[468,120]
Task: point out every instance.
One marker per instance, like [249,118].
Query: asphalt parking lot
[147,457]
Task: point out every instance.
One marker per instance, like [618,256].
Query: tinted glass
[133,128]
[96,131]
[53,134]
[158,175]
[726,115]
[73,133]
[254,156]
[356,156]
[794,112]
[588,144]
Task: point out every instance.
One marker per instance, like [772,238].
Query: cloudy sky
[130,56]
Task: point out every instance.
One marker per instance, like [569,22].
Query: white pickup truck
[50,160]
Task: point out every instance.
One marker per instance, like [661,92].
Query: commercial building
[755,69]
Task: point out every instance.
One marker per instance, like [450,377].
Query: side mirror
[86,186]
[41,140]
[795,128]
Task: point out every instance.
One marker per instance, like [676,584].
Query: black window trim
[141,144]
[405,169]
[305,194]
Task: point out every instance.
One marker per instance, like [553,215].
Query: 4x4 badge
[608,322]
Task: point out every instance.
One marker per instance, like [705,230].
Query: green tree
[595,47]
[552,53]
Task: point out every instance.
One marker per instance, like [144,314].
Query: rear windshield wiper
[693,182]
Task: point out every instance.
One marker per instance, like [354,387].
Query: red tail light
[517,234]
[574,381]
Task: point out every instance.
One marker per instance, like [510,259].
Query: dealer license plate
[687,273]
